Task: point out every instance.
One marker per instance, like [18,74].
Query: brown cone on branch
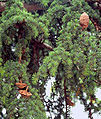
[84,20]
[25,93]
[21,85]
[23,89]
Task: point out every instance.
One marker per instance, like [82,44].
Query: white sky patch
[48,86]
[13,48]
[4,111]
[18,97]
[4,79]
[98,93]
[97,116]
[55,36]
[77,112]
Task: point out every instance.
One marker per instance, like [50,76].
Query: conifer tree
[34,47]
[19,29]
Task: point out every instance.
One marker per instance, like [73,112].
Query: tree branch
[29,7]
[95,22]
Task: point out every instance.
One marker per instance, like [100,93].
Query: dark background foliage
[42,39]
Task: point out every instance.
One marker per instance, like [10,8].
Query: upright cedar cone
[84,20]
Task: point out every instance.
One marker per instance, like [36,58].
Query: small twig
[97,82]
[20,59]
[97,26]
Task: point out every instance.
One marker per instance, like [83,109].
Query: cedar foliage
[74,61]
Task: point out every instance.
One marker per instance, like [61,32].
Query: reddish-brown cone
[84,20]
[21,85]
[24,93]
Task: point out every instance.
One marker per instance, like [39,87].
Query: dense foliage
[35,47]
